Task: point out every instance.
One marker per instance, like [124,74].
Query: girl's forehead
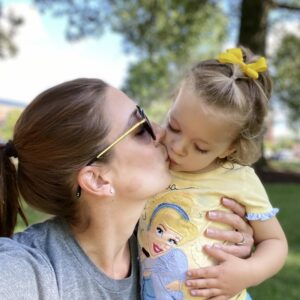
[199,121]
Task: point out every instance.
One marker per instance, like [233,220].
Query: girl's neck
[213,166]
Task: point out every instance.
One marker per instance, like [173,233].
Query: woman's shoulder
[27,246]
[32,245]
[26,270]
[40,234]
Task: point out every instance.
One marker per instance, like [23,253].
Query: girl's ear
[92,181]
[230,150]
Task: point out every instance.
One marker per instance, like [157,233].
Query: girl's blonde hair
[242,99]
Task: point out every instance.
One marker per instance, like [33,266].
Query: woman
[87,155]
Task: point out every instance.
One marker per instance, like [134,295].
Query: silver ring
[243,241]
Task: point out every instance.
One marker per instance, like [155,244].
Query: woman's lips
[172,162]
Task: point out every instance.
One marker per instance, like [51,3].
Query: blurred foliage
[287,76]
[168,36]
[285,166]
[9,23]
[165,36]
[6,130]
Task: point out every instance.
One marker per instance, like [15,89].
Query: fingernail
[212,214]
[210,231]
[189,273]
[188,283]
[193,293]
[226,200]
[208,246]
[218,246]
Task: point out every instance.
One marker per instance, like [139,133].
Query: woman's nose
[159,131]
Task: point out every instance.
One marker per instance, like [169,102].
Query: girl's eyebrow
[196,140]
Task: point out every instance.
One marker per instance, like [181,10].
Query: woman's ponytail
[10,205]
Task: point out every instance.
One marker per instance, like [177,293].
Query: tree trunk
[254,25]
[253,33]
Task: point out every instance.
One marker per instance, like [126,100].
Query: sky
[45,58]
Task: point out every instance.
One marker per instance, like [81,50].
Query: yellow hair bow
[235,56]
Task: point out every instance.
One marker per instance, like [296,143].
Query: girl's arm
[271,250]
[234,274]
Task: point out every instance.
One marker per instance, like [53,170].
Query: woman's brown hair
[242,100]
[58,133]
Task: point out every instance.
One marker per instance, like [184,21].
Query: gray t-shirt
[45,262]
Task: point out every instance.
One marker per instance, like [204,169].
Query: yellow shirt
[173,223]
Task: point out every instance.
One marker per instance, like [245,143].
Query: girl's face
[139,164]
[195,134]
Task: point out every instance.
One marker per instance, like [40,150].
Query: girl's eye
[202,151]
[172,128]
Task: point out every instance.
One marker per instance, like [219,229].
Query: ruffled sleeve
[255,198]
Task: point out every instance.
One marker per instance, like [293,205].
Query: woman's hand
[223,281]
[241,238]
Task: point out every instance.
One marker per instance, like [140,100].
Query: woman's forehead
[119,108]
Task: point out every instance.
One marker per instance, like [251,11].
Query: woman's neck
[105,236]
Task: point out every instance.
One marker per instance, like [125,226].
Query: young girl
[213,135]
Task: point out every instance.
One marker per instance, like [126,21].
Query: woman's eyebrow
[132,119]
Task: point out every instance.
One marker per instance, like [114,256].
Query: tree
[6,131]
[254,26]
[9,24]
[287,75]
[165,36]
[255,21]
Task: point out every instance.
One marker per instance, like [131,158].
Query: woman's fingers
[234,206]
[233,238]
[231,219]
[238,251]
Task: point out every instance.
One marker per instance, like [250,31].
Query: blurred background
[144,47]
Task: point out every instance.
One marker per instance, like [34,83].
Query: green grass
[285,285]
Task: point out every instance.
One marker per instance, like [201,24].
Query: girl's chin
[175,167]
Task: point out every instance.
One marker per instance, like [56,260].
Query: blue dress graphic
[170,267]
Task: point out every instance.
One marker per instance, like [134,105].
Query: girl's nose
[178,147]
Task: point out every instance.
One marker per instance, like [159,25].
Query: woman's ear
[92,181]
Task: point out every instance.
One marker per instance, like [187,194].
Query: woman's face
[140,164]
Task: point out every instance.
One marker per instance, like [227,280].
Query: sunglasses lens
[147,124]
